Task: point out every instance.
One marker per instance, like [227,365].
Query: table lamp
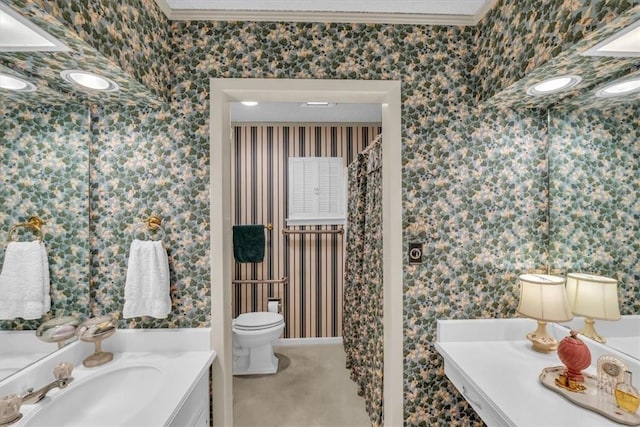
[593,297]
[543,297]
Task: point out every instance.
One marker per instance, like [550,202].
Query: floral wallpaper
[135,35]
[43,68]
[538,40]
[594,193]
[476,195]
[475,178]
[44,171]
[146,162]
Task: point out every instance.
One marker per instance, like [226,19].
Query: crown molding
[306,16]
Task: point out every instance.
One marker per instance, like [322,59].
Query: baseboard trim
[284,342]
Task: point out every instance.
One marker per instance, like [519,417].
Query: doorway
[225,91]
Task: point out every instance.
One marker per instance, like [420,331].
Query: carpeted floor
[312,388]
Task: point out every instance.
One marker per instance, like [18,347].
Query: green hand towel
[248,243]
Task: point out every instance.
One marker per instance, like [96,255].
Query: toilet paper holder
[274,305]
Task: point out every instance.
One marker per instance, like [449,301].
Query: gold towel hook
[34,223]
[153,222]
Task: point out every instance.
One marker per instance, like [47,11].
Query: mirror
[594,165]
[45,135]
[45,140]
[45,172]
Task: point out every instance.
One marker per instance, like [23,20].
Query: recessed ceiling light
[18,34]
[619,88]
[554,85]
[249,103]
[89,80]
[625,43]
[15,84]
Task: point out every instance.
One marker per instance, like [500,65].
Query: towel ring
[153,222]
[34,223]
[152,225]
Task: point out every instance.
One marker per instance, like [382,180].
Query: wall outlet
[415,253]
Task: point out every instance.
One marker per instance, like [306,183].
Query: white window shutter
[301,187]
[316,190]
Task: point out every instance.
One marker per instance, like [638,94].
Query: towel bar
[287,231]
[282,280]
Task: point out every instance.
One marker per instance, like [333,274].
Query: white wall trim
[294,342]
[317,16]
[220,253]
[387,93]
[483,11]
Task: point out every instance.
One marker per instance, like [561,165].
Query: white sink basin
[153,374]
[107,399]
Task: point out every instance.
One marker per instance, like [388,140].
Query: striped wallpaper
[313,264]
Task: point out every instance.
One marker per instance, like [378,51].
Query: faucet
[62,374]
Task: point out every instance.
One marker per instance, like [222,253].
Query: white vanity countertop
[156,406]
[124,340]
[182,356]
[492,364]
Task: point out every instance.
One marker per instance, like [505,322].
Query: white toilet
[253,336]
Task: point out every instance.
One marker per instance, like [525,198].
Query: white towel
[146,291]
[24,281]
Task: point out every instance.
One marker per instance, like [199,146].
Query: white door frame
[386,93]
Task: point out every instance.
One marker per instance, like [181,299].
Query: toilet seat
[257,321]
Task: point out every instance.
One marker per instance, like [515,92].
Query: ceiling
[44,71]
[426,12]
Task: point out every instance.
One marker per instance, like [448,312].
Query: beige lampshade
[591,296]
[543,297]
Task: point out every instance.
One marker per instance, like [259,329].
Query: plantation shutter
[316,191]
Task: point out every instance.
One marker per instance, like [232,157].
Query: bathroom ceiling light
[249,103]
[554,85]
[15,84]
[18,34]
[619,88]
[625,43]
[90,81]
[319,104]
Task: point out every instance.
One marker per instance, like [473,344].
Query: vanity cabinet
[492,365]
[196,410]
[491,415]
